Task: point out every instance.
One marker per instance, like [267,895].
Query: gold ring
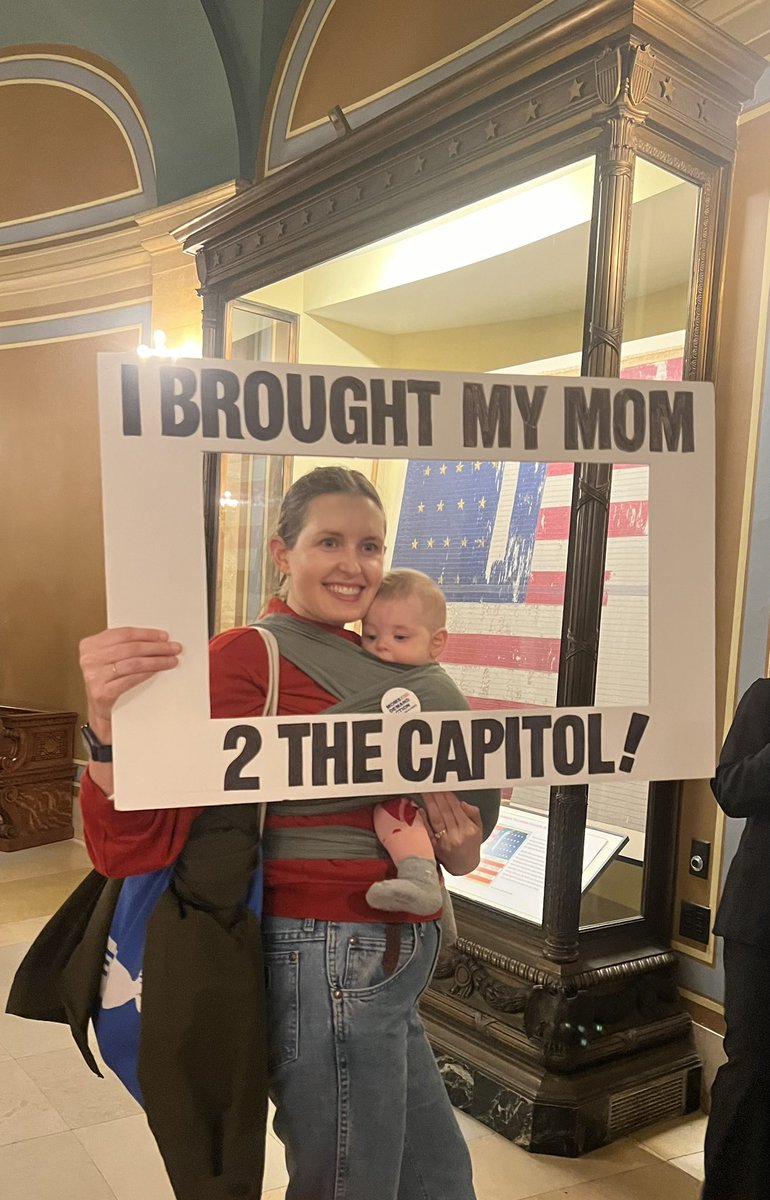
[440,833]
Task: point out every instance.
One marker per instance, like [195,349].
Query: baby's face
[395,630]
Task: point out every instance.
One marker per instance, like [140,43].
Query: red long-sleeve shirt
[130,843]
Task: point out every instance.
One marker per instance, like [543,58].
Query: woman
[737,1151]
[361,1108]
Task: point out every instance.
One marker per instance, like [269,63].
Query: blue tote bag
[117,1020]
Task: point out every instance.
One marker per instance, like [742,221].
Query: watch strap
[99,751]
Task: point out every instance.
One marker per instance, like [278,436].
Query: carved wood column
[213,347]
[623,76]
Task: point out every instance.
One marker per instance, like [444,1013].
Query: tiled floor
[66,1135]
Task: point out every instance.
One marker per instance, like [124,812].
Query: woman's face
[335,567]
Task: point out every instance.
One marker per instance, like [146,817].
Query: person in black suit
[737,1151]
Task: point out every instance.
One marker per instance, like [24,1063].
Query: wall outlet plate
[694,922]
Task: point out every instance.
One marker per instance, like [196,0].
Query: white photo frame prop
[159,417]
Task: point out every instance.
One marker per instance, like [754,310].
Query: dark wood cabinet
[36,776]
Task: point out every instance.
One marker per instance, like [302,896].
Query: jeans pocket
[365,959]
[282,985]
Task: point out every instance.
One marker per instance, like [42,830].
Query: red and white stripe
[507,655]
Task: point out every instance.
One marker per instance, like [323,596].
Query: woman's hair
[322,481]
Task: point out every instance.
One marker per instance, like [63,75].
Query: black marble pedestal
[570,1115]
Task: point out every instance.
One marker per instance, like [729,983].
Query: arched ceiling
[87,178]
[369,58]
[200,71]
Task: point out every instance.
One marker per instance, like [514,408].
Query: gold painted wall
[52,579]
[51,547]
[63,150]
[52,555]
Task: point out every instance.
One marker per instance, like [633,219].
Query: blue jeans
[360,1104]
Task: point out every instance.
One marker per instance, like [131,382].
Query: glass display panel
[660,265]
[250,487]
[496,286]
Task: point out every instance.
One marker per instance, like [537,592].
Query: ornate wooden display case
[559,1035]
[36,776]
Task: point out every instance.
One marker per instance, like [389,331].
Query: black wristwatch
[99,752]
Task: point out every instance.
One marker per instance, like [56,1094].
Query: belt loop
[308,925]
[392,949]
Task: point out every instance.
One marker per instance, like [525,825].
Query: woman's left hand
[455,831]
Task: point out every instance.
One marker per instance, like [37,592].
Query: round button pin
[400,700]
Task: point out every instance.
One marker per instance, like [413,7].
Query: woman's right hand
[116,660]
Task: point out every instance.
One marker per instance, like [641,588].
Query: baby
[406,623]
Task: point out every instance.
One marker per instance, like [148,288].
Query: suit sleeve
[742,781]
[130,843]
